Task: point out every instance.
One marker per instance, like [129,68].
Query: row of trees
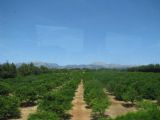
[131,86]
[8,104]
[54,104]
[146,68]
[95,96]
[8,70]
[30,90]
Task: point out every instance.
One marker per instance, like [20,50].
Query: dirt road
[116,108]
[79,110]
[26,111]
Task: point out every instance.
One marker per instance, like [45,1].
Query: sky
[80,31]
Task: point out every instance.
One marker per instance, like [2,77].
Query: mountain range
[95,65]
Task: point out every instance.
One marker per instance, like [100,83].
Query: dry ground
[116,108]
[79,110]
[26,111]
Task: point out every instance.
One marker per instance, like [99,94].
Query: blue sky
[80,31]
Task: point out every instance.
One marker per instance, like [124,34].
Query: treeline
[131,86]
[146,68]
[9,70]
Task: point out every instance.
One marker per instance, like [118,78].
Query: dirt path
[116,108]
[79,110]
[26,111]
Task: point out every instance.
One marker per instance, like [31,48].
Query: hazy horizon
[91,63]
[80,31]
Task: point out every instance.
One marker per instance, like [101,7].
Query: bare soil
[117,107]
[26,111]
[79,110]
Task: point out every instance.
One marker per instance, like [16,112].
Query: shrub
[99,105]
[9,107]
[27,69]
[95,96]
[43,116]
[54,102]
[27,95]
[8,70]
[141,115]
[130,86]
[147,111]
[24,70]
[59,100]
[130,95]
[146,105]
[4,89]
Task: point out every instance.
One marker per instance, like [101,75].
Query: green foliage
[130,95]
[150,115]
[99,105]
[27,95]
[150,112]
[158,99]
[4,88]
[9,107]
[55,89]
[43,116]
[130,86]
[31,88]
[54,103]
[146,105]
[95,96]
[146,68]
[8,70]
[24,70]
[44,69]
[28,69]
[59,101]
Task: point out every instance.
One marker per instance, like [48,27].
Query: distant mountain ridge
[95,65]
